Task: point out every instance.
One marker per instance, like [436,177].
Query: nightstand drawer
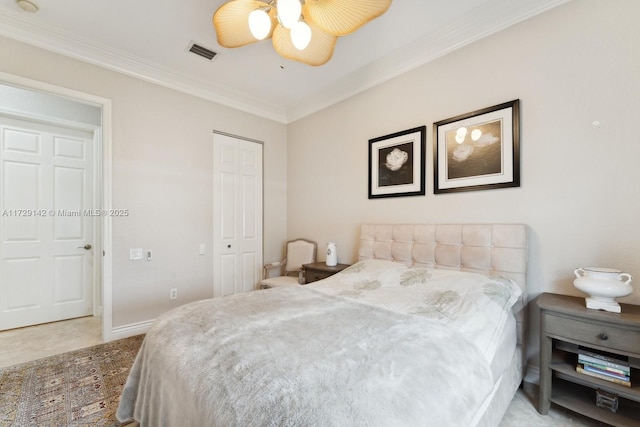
[315,275]
[320,270]
[610,336]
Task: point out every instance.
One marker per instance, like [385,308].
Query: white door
[237,215]
[46,225]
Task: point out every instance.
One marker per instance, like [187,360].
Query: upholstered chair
[298,252]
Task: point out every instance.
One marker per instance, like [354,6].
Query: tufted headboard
[492,249]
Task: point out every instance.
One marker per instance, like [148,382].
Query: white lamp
[259,23]
[289,12]
[300,35]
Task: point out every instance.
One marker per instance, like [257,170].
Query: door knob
[86,247]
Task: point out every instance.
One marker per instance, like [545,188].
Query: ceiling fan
[301,30]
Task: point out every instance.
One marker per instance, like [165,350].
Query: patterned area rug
[78,388]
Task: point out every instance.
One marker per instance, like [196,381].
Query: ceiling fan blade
[319,51]
[231,22]
[343,17]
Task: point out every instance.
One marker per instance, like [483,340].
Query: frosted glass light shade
[289,12]
[300,35]
[259,24]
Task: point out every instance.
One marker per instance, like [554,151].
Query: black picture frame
[478,150]
[397,164]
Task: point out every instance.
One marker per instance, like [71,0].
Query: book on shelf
[603,362]
[625,372]
[609,362]
[581,370]
[590,368]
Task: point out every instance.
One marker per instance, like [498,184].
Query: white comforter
[300,357]
[473,304]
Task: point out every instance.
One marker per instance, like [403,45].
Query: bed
[427,328]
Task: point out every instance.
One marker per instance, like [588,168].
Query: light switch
[136,253]
[203,249]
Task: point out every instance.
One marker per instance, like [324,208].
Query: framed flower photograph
[478,150]
[397,164]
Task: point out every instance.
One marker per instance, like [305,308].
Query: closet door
[237,215]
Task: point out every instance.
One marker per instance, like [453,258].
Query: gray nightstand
[567,327]
[319,270]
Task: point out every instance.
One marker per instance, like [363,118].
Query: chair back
[300,251]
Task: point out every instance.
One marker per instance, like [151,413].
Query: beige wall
[569,67]
[162,172]
[579,194]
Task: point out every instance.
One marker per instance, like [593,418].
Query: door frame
[103,197]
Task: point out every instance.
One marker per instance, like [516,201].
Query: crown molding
[473,26]
[15,25]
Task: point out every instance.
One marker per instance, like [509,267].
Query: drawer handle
[603,337]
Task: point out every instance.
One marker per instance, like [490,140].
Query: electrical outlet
[173,293]
[148,255]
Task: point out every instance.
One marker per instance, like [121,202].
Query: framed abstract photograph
[397,164]
[478,150]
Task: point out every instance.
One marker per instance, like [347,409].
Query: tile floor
[35,342]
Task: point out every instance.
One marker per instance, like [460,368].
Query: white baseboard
[130,330]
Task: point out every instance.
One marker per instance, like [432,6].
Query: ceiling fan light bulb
[259,24]
[300,35]
[289,12]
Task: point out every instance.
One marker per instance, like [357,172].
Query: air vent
[202,51]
